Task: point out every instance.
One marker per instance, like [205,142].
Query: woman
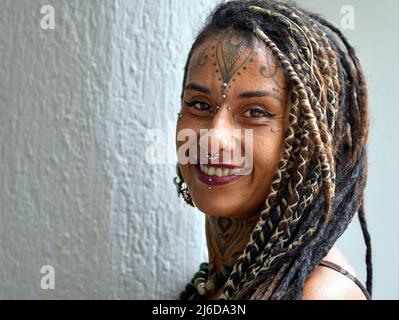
[294,81]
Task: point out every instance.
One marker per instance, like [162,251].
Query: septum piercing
[212,157]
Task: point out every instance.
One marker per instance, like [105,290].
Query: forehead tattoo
[230,53]
[233,51]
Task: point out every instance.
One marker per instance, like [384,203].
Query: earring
[181,187]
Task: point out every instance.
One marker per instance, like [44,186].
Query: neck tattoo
[226,240]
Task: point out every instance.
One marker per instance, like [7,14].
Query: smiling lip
[215,180]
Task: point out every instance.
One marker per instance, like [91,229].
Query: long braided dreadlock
[320,181]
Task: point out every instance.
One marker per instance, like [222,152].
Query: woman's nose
[222,132]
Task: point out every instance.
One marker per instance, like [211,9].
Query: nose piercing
[212,156]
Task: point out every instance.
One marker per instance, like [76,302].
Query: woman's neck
[227,238]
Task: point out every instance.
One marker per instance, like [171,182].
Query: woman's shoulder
[328,284]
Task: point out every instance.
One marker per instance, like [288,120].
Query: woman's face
[233,83]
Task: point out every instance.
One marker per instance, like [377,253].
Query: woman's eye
[258,113]
[198,105]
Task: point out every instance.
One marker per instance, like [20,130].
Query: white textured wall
[75,191]
[75,106]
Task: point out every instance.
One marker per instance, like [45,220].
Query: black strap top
[336,267]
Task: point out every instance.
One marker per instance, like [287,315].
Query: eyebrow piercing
[179,114]
[274,129]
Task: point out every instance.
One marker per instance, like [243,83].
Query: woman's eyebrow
[263,93]
[246,94]
[197,87]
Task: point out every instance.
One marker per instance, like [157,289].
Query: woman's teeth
[212,171]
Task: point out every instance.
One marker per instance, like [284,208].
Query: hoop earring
[181,187]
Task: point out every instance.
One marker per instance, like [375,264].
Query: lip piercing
[210,179]
[209,188]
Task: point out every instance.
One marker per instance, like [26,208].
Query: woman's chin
[213,208]
[219,208]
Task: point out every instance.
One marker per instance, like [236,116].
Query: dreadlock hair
[320,181]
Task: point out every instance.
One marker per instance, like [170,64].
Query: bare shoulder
[327,284]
